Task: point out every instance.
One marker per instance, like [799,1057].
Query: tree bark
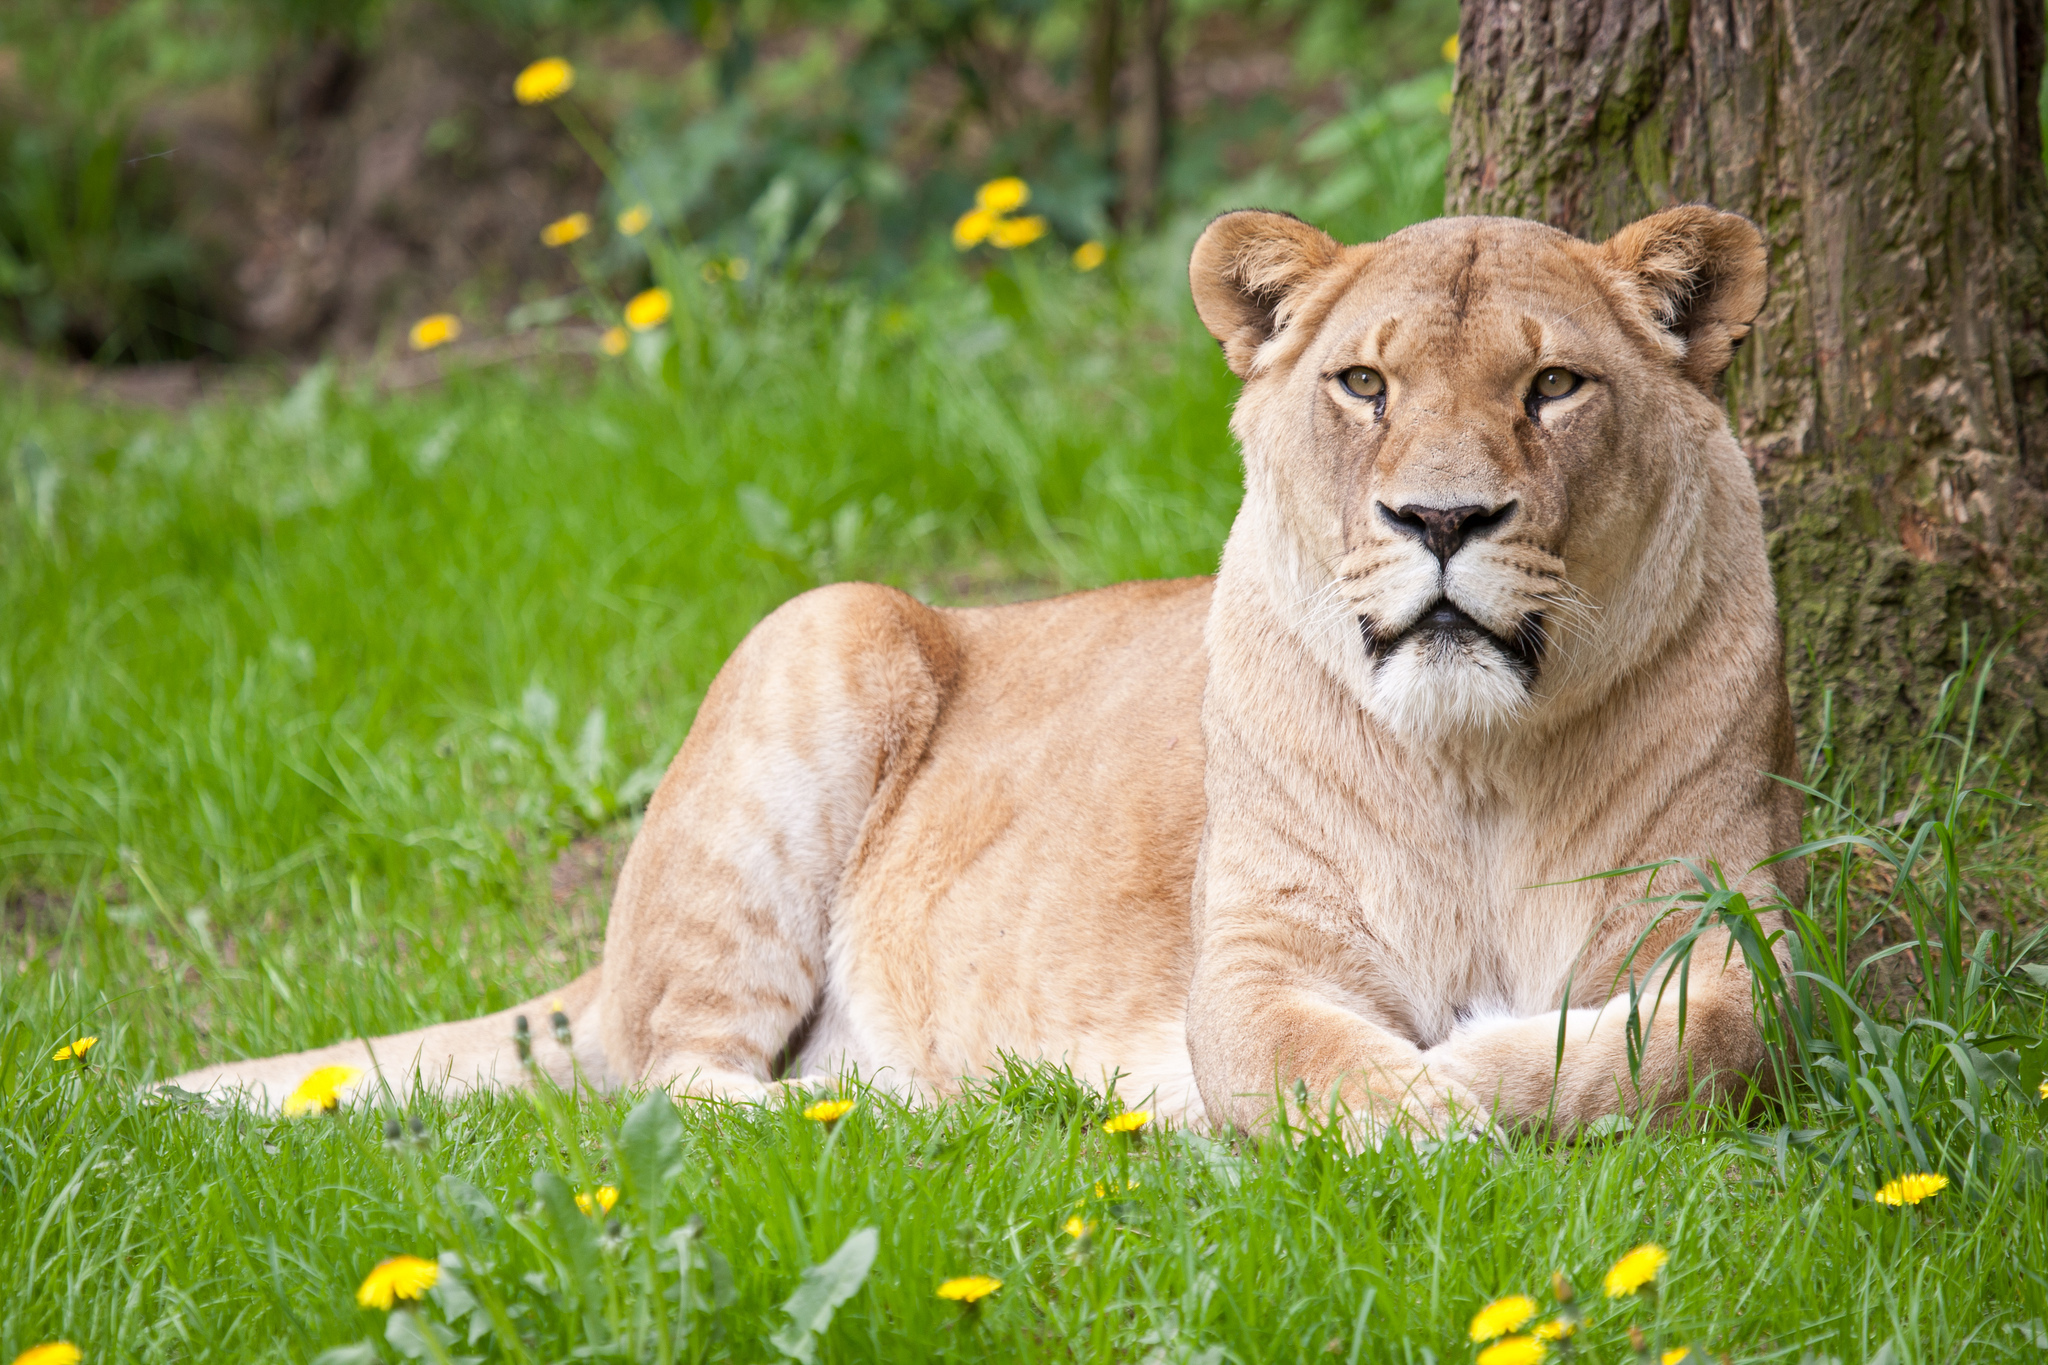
[1894,396]
[1148,116]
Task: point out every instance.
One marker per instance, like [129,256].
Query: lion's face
[1468,445]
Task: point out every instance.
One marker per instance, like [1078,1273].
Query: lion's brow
[1386,335]
[1532,332]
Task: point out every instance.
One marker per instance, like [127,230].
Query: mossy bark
[1894,397]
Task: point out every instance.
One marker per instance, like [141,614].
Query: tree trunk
[1148,116]
[1894,396]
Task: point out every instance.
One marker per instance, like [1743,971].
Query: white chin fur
[1429,689]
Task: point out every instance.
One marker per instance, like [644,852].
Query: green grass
[301,699]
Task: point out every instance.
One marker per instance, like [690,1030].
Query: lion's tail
[475,1054]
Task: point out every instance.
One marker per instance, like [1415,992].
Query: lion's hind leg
[718,949]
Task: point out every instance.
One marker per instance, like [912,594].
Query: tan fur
[1242,841]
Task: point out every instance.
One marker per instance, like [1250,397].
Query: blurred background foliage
[240,178]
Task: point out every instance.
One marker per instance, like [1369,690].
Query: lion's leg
[1515,1067]
[716,951]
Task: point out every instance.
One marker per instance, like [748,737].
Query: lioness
[1495,616]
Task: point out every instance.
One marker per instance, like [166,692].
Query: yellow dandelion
[1006,195]
[971,228]
[829,1111]
[1088,255]
[1635,1270]
[1502,1316]
[602,1201]
[1450,48]
[398,1277]
[1674,1355]
[563,231]
[75,1050]
[320,1091]
[969,1288]
[648,309]
[2044,1090]
[634,220]
[614,341]
[1010,233]
[1557,1329]
[49,1353]
[1102,1191]
[1130,1121]
[435,329]
[1513,1351]
[543,81]
[1910,1189]
[1077,1227]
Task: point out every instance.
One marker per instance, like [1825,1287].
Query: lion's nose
[1444,530]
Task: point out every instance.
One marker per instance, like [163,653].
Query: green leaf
[467,1201]
[724,1293]
[451,1292]
[355,1353]
[415,1337]
[651,1150]
[578,1232]
[824,1288]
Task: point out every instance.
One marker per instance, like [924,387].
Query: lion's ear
[1702,273]
[1245,269]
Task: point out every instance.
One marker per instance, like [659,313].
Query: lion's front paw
[1417,1103]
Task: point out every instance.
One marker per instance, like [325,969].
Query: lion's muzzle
[1443,628]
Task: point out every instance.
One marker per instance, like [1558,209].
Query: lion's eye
[1360,382]
[1555,382]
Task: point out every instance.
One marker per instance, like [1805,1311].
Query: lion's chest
[1467,920]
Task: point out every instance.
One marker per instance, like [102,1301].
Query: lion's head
[1479,454]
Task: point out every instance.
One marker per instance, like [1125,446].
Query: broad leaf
[825,1287]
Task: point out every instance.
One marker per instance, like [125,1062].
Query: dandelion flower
[1450,48]
[614,341]
[971,228]
[544,80]
[2044,1090]
[1635,1270]
[1006,195]
[320,1091]
[969,1288]
[1088,255]
[435,329]
[1674,1355]
[1077,1228]
[606,1196]
[1130,1121]
[1502,1316]
[1557,1329]
[397,1277]
[1010,233]
[634,220]
[75,1050]
[648,309]
[49,1353]
[1102,1191]
[1910,1189]
[563,231]
[829,1111]
[1513,1351]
